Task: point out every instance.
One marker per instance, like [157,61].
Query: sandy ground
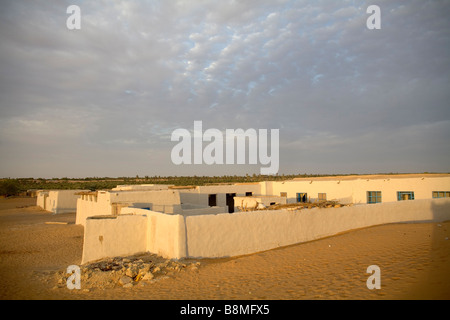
[414,260]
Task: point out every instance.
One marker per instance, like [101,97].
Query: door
[230,201]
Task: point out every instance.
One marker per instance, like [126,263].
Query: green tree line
[12,187]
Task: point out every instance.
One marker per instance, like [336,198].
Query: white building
[57,201]
[222,198]
[200,221]
[360,189]
[186,200]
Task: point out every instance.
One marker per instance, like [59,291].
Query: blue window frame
[405,195]
[373,196]
[302,197]
[441,194]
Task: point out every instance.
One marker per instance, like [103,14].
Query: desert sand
[414,260]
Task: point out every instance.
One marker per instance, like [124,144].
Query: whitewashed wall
[241,233]
[355,190]
[114,236]
[226,235]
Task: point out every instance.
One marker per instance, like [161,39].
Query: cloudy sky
[105,99]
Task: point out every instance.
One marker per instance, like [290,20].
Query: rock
[105,267]
[157,269]
[128,285]
[144,269]
[125,280]
[148,276]
[131,272]
[193,267]
[86,275]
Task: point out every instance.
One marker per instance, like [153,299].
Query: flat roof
[375,176]
[182,187]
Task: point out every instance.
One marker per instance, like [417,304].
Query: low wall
[166,235]
[225,235]
[167,201]
[57,201]
[41,195]
[167,208]
[108,236]
[86,208]
[66,200]
[248,232]
[203,211]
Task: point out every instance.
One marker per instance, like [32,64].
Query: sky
[104,100]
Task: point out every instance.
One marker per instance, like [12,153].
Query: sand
[414,260]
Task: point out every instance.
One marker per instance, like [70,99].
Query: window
[248,194]
[373,196]
[322,196]
[441,194]
[283,194]
[405,195]
[302,197]
[212,200]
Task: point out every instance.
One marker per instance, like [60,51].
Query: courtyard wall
[226,235]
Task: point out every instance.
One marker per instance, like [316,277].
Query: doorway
[230,201]
[212,200]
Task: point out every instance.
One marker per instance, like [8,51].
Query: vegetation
[10,187]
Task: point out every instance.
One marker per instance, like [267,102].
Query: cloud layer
[104,100]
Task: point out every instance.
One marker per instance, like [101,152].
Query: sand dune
[414,260]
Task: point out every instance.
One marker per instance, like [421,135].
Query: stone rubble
[127,271]
[308,205]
